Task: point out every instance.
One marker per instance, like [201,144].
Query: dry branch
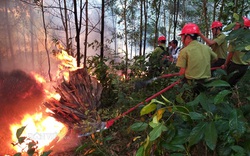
[80,98]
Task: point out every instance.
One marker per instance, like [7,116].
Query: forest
[108,103]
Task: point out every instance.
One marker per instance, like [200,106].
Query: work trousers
[218,63]
[240,72]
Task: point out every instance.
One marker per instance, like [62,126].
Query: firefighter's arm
[208,41]
[229,57]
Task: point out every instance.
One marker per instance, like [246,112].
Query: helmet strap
[185,38]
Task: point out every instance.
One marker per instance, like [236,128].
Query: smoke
[18,86]
[19,94]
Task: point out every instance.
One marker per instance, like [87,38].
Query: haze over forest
[30,29]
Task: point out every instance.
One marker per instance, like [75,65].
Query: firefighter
[218,43]
[157,59]
[235,62]
[195,58]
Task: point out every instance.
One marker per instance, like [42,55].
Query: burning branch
[80,97]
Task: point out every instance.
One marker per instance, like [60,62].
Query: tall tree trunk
[32,37]
[141,24]
[158,11]
[102,30]
[176,13]
[221,9]
[8,28]
[77,38]
[145,29]
[46,39]
[184,10]
[68,45]
[126,36]
[114,19]
[205,17]
[64,18]
[214,10]
[164,22]
[170,21]
[236,2]
[25,45]
[86,35]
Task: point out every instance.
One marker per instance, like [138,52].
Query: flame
[52,95]
[67,63]
[39,128]
[38,78]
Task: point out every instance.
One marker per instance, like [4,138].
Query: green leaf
[222,126]
[181,137]
[218,83]
[21,139]
[211,135]
[246,56]
[236,17]
[220,96]
[229,27]
[139,126]
[156,132]
[18,154]
[157,101]
[203,99]
[31,144]
[19,132]
[153,124]
[197,133]
[80,148]
[238,149]
[176,154]
[31,151]
[148,108]
[165,99]
[248,98]
[140,151]
[237,123]
[147,145]
[172,147]
[196,116]
[195,102]
[183,111]
[46,153]
[179,99]
[247,47]
[108,138]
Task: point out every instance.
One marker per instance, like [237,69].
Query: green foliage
[210,121]
[215,121]
[178,122]
[31,144]
[139,126]
[239,38]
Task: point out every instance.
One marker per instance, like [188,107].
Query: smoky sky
[18,85]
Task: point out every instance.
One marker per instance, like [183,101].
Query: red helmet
[246,22]
[216,24]
[190,28]
[162,38]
